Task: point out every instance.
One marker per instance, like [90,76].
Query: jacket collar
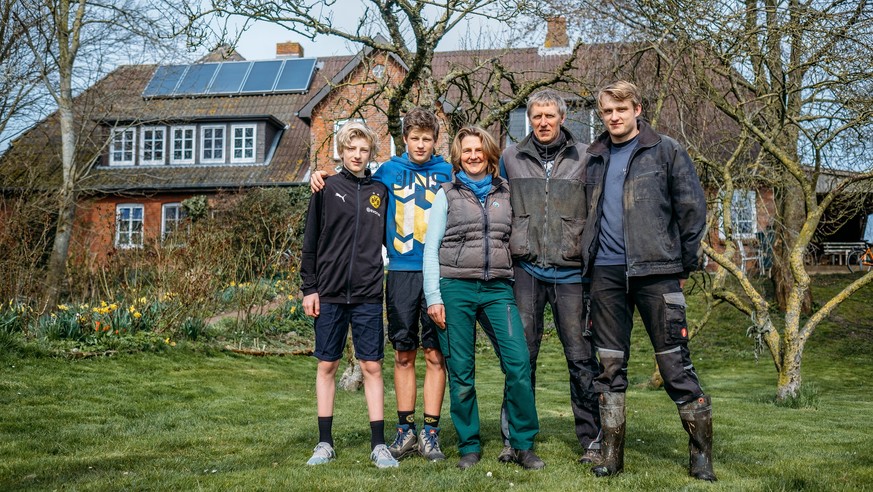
[527,146]
[351,177]
[648,137]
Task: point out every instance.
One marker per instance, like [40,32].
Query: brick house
[158,135]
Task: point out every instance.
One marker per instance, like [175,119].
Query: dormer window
[212,144]
[182,144]
[243,143]
[121,148]
[152,145]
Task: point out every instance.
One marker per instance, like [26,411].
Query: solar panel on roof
[164,80]
[262,76]
[197,79]
[229,78]
[296,75]
[200,79]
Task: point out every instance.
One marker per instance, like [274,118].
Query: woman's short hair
[352,130]
[489,148]
[622,91]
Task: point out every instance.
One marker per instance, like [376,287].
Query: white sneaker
[382,458]
[323,453]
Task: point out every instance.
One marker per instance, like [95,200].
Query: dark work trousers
[661,304]
[568,310]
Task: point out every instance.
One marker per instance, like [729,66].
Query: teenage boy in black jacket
[341,269]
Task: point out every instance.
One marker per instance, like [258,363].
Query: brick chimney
[556,33]
[289,49]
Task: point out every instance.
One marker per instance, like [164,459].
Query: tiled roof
[117,97]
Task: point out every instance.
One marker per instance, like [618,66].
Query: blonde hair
[489,147]
[352,130]
[622,91]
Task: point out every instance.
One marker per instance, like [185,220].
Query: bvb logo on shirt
[375,201]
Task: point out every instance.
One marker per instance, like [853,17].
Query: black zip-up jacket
[664,206]
[342,242]
[548,211]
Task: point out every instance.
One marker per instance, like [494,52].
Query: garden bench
[841,250]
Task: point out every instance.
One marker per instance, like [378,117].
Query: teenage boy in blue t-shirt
[412,180]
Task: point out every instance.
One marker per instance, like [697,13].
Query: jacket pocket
[649,186]
[571,238]
[519,239]
[676,325]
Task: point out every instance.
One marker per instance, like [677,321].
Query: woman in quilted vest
[468,275]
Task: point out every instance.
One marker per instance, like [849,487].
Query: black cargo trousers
[661,303]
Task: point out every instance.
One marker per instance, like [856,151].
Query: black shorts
[407,310]
[332,329]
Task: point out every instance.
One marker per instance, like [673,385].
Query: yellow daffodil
[137,315]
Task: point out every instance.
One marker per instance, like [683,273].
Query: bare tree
[411,31]
[795,78]
[74,42]
[19,77]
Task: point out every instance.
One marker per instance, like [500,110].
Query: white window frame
[163,146]
[336,128]
[192,140]
[128,234]
[179,217]
[233,143]
[128,143]
[213,160]
[747,199]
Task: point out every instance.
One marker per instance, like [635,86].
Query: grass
[192,419]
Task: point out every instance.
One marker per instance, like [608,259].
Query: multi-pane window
[243,143]
[152,145]
[182,144]
[743,213]
[212,143]
[336,128]
[172,218]
[128,225]
[122,147]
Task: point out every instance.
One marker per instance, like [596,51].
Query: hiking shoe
[323,453]
[429,444]
[507,455]
[468,460]
[405,444]
[382,458]
[591,457]
[529,460]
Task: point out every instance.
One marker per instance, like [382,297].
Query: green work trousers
[464,300]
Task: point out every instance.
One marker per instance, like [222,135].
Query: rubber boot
[697,420]
[612,420]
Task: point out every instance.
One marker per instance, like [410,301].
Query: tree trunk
[789,382]
[656,381]
[57,267]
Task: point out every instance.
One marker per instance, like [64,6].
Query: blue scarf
[479,188]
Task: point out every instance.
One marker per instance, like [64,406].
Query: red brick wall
[94,232]
[361,85]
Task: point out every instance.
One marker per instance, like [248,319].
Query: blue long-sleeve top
[436,230]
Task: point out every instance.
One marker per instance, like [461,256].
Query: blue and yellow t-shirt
[411,190]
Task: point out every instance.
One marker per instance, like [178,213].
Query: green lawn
[187,419]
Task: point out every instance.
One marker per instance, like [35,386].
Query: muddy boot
[697,420]
[612,421]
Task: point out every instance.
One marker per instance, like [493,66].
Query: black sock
[406,418]
[377,433]
[432,420]
[325,425]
